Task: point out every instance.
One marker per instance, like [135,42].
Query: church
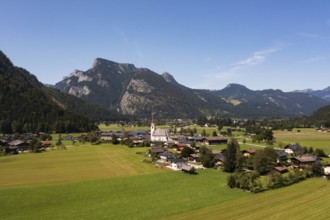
[158,134]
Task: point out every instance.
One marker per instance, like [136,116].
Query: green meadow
[112,182]
[307,137]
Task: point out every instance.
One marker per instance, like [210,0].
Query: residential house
[282,155]
[215,140]
[219,159]
[156,150]
[281,169]
[176,163]
[164,156]
[292,149]
[46,144]
[249,152]
[187,169]
[20,145]
[304,161]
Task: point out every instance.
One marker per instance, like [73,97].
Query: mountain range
[141,92]
[323,93]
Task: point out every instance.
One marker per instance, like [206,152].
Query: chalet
[281,169]
[215,140]
[45,144]
[292,149]
[20,145]
[304,161]
[194,158]
[164,156]
[187,169]
[106,136]
[282,155]
[156,150]
[196,138]
[249,152]
[176,163]
[219,159]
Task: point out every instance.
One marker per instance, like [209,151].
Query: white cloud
[228,75]
[257,57]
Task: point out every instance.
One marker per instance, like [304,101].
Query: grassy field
[305,200]
[111,182]
[73,164]
[102,182]
[306,137]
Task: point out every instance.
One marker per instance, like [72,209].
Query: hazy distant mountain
[140,91]
[324,93]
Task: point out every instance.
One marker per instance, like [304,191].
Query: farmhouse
[215,140]
[176,163]
[249,152]
[156,150]
[282,155]
[305,161]
[164,156]
[281,169]
[293,148]
[19,145]
[187,169]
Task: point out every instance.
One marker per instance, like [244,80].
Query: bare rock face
[140,86]
[141,92]
[79,91]
[132,104]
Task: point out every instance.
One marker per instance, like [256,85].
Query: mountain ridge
[140,91]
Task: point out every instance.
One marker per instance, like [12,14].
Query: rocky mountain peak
[169,78]
[103,63]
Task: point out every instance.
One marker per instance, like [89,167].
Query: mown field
[111,182]
[307,137]
[102,182]
[306,200]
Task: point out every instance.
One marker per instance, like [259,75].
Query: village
[178,151]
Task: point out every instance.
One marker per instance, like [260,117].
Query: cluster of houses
[13,145]
[165,136]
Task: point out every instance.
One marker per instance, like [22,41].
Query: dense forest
[25,107]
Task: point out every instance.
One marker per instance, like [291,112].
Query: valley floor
[112,182]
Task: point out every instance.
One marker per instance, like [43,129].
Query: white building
[327,170]
[158,134]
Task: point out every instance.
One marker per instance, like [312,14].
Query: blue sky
[262,44]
